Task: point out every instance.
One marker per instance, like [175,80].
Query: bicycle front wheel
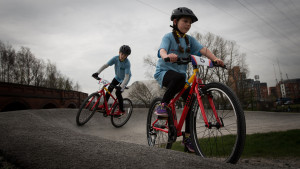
[157,129]
[221,142]
[121,119]
[87,109]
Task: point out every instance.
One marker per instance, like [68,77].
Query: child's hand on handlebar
[219,62]
[95,75]
[173,57]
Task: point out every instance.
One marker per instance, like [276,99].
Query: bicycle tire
[219,143]
[85,113]
[121,120]
[157,138]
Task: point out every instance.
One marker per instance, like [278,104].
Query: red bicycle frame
[102,93]
[196,84]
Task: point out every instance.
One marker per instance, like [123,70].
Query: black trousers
[118,93]
[174,82]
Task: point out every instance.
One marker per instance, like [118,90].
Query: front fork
[209,125]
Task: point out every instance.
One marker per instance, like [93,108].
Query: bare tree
[140,92]
[68,84]
[23,67]
[77,86]
[226,50]
[28,59]
[38,72]
[19,71]
[51,75]
[7,61]
[60,83]
[150,63]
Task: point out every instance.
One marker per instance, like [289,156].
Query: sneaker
[187,143]
[161,110]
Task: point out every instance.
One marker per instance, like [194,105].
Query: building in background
[256,95]
[286,90]
[249,91]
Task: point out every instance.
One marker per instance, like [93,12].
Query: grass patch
[273,144]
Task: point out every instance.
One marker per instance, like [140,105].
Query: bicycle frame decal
[196,60]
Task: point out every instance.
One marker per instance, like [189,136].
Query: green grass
[273,144]
[293,108]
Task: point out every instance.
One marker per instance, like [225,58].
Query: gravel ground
[51,139]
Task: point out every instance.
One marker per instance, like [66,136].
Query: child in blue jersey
[122,71]
[177,44]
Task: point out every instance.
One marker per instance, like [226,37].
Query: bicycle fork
[219,120]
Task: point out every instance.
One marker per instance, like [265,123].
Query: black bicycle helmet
[125,49]
[183,11]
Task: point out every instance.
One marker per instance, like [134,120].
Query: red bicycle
[217,121]
[97,102]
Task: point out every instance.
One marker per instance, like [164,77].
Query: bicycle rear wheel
[121,120]
[87,109]
[221,142]
[156,137]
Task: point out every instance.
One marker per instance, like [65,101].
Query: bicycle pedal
[162,118]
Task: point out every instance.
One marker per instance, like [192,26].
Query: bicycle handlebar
[98,78]
[181,61]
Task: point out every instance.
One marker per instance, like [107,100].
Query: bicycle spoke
[87,109]
[118,119]
[157,138]
[218,141]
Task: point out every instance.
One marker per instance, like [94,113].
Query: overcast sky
[79,36]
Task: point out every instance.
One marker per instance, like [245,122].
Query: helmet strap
[176,34]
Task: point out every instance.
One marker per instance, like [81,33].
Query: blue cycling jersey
[169,44]
[121,68]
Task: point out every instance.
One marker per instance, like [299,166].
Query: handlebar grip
[167,59]
[97,78]
[216,64]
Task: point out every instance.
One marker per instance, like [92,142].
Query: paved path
[135,130]
[51,139]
